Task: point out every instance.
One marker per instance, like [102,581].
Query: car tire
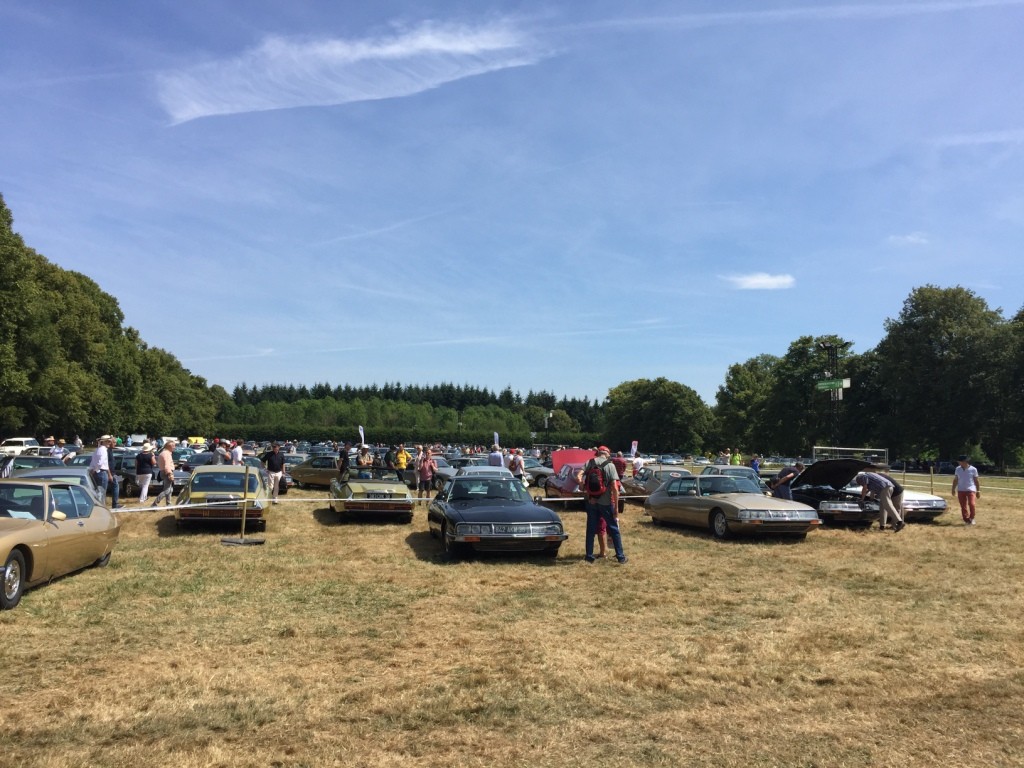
[438,483]
[104,561]
[13,580]
[719,525]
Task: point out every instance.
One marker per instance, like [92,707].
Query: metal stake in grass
[241,541]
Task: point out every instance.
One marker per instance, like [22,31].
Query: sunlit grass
[359,644]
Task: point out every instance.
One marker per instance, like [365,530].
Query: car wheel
[14,580]
[103,561]
[541,481]
[438,483]
[719,526]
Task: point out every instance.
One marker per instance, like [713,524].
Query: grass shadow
[325,517]
[167,527]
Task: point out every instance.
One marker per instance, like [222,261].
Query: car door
[68,547]
[325,468]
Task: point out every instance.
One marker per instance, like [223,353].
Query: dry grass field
[358,644]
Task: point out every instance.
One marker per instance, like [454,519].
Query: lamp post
[834,394]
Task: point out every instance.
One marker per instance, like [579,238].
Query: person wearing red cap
[601,506]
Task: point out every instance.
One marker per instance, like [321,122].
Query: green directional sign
[826,384]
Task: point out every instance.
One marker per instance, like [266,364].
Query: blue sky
[559,195]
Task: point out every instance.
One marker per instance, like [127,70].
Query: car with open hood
[49,528]
[824,486]
[492,513]
[728,506]
[376,492]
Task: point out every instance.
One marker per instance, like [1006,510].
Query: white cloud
[281,73]
[760,281]
[910,239]
[866,12]
[981,138]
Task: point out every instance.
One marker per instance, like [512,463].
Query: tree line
[947,378]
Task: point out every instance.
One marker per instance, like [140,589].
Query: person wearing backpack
[599,481]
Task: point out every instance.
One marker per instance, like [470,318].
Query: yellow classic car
[49,528]
[372,492]
[219,493]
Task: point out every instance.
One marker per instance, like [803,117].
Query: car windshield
[496,489]
[715,484]
[22,462]
[292,459]
[381,474]
[223,482]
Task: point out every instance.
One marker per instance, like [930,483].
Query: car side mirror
[58,515]
[691,492]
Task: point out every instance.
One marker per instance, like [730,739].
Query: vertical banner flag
[496,439]
[362,436]
[632,448]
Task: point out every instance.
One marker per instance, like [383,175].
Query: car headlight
[473,529]
[551,529]
[842,506]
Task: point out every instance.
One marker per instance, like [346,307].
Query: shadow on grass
[783,539]
[167,527]
[325,517]
[428,549]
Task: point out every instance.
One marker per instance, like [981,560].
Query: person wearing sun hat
[966,488]
[99,466]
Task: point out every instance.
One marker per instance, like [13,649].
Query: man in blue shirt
[881,488]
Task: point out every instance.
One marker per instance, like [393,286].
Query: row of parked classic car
[53,519]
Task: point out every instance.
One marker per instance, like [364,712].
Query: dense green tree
[936,369]
[741,405]
[796,414]
[661,414]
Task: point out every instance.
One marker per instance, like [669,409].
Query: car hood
[368,486]
[836,473]
[500,512]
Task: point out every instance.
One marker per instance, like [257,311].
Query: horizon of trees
[947,378]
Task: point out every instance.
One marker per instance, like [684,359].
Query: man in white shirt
[236,454]
[99,465]
[966,488]
[638,464]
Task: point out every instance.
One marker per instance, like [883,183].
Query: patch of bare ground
[358,644]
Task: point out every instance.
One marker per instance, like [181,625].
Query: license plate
[511,529]
[378,495]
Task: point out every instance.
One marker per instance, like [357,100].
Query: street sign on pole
[826,384]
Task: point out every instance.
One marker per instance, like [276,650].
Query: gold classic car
[49,528]
[372,492]
[219,493]
[317,471]
[728,506]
